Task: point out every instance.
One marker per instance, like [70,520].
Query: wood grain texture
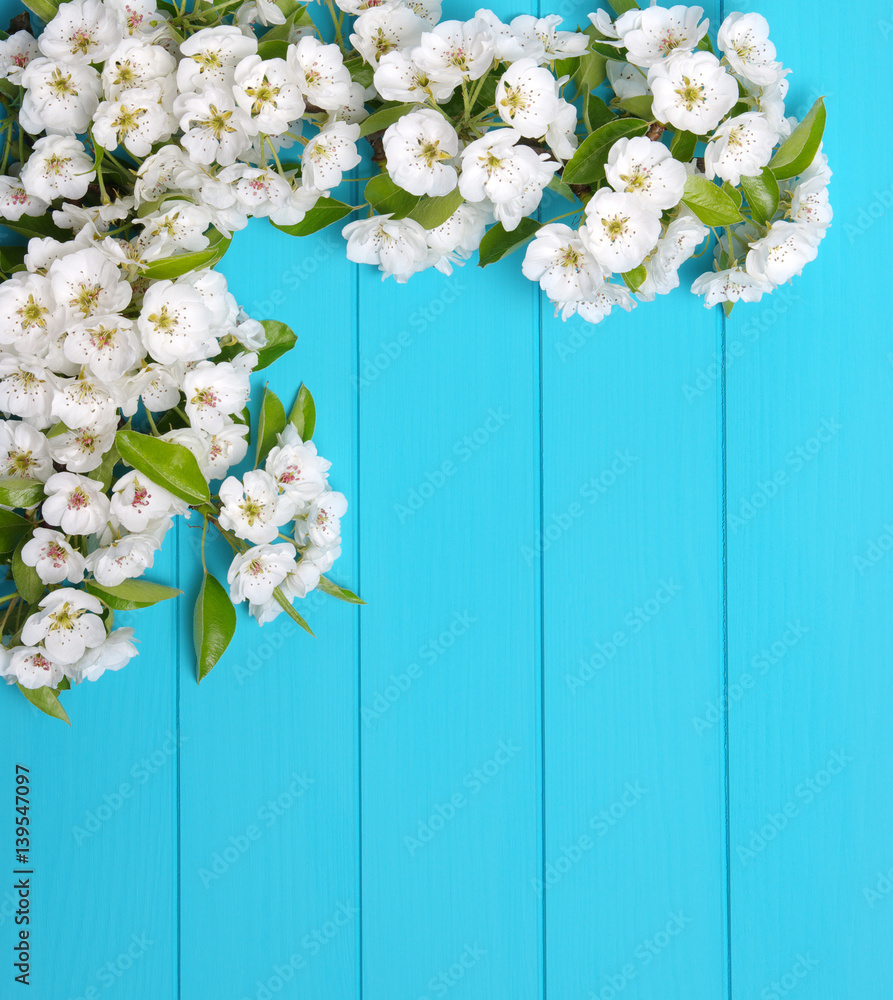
[613,723]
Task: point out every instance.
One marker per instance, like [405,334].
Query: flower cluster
[139,135]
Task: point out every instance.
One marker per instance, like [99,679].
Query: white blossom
[619,231]
[744,39]
[255,574]
[783,252]
[398,246]
[692,92]
[419,147]
[741,146]
[53,559]
[67,624]
[58,167]
[648,171]
[562,265]
[253,508]
[75,503]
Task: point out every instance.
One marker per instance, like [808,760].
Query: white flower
[58,97]
[115,652]
[16,52]
[397,78]
[215,129]
[562,265]
[536,38]
[140,19]
[322,525]
[106,345]
[265,12]
[454,51]
[226,448]
[658,32]
[266,89]
[328,155]
[32,668]
[58,167]
[561,134]
[212,55]
[136,502]
[82,449]
[174,323]
[527,98]
[74,503]
[136,120]
[214,391]
[170,169]
[741,146]
[85,400]
[391,26]
[684,234]
[398,246]
[53,559]
[299,472]
[599,304]
[123,559]
[730,285]
[254,575]
[810,204]
[87,284]
[744,38]
[455,240]
[497,167]
[28,314]
[416,147]
[619,231]
[24,453]
[67,624]
[179,225]
[81,32]
[16,202]
[320,73]
[783,252]
[26,389]
[135,65]
[253,508]
[648,171]
[692,92]
[626,80]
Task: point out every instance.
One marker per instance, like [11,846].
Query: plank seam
[359,673]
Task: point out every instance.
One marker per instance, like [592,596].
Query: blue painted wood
[103,903]
[269,792]
[505,777]
[809,485]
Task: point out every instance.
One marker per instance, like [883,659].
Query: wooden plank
[103,823]
[449,643]
[268,826]
[809,487]
[633,875]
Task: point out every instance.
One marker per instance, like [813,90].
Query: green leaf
[342,593]
[324,213]
[587,165]
[283,603]
[798,151]
[131,595]
[28,583]
[12,529]
[280,340]
[272,48]
[181,263]
[22,493]
[633,279]
[12,259]
[599,112]
[591,72]
[272,423]
[622,6]
[762,195]
[166,463]
[388,199]
[498,243]
[433,212]
[640,106]
[734,194]
[709,202]
[37,226]
[214,625]
[683,146]
[385,116]
[105,473]
[360,71]
[45,699]
[303,414]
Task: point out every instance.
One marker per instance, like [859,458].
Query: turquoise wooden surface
[613,722]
